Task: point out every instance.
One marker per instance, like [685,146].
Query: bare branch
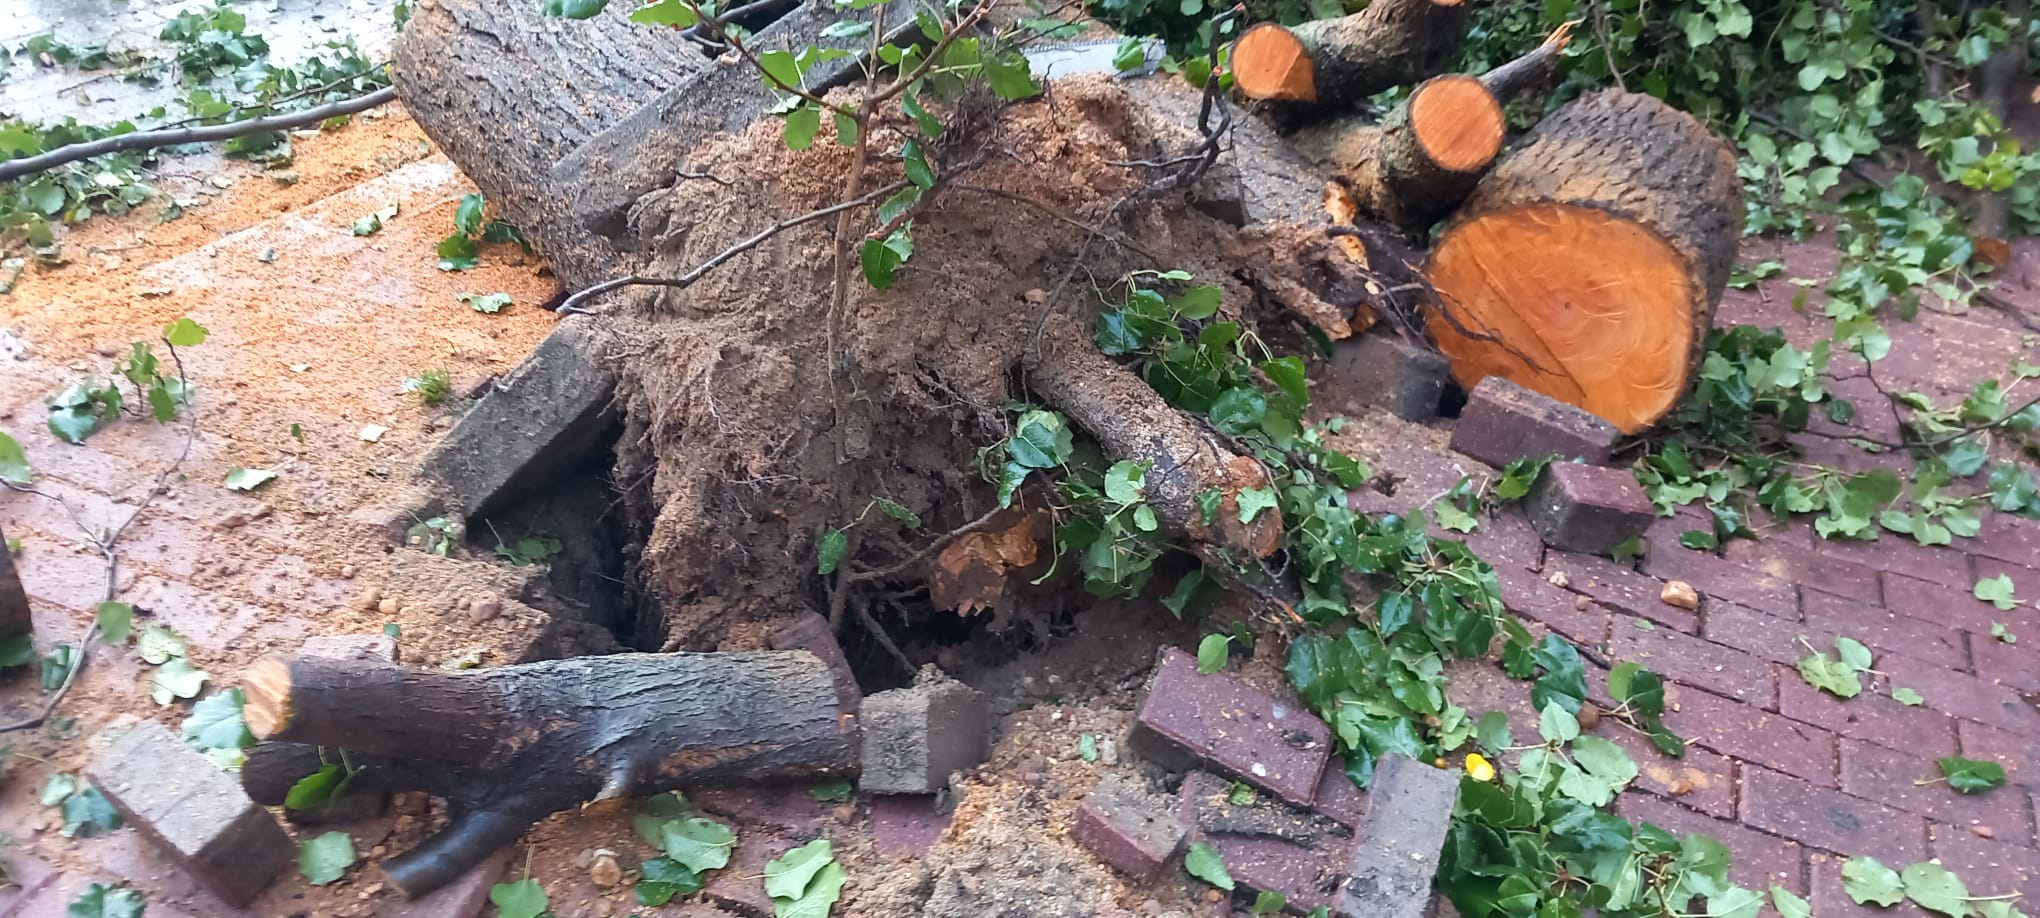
[143,140]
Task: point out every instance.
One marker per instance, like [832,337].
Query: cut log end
[1588,307]
[1458,122]
[267,687]
[1270,63]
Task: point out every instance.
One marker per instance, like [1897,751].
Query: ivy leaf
[1041,439]
[1853,652]
[835,790]
[572,9]
[829,550]
[216,723]
[116,621]
[1212,652]
[175,679]
[1789,905]
[1238,410]
[314,790]
[485,302]
[666,13]
[184,333]
[522,899]
[13,461]
[1971,776]
[1087,747]
[1557,725]
[1997,591]
[325,858]
[699,844]
[1204,863]
[1564,680]
[1934,888]
[915,161]
[102,901]
[1492,734]
[897,511]
[240,479]
[57,788]
[882,257]
[662,878]
[1605,764]
[1906,696]
[1452,518]
[1830,675]
[802,124]
[1255,500]
[88,813]
[159,645]
[458,252]
[788,875]
[1871,883]
[1270,902]
[1124,481]
[1200,302]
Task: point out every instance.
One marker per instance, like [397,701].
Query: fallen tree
[509,746]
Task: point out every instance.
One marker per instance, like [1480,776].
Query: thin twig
[572,304]
[884,640]
[107,546]
[143,140]
[932,547]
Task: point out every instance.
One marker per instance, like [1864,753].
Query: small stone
[1560,580]
[1680,594]
[347,571]
[1035,297]
[605,871]
[1581,603]
[1983,831]
[1589,716]
[388,606]
[485,608]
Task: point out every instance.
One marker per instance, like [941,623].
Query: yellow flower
[1477,765]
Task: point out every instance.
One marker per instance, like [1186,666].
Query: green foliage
[85,811]
[13,461]
[462,249]
[102,901]
[87,406]
[1087,747]
[211,41]
[491,303]
[536,548]
[242,479]
[1840,675]
[662,878]
[373,223]
[436,535]
[174,676]
[1204,863]
[116,620]
[1998,591]
[433,387]
[1212,652]
[834,790]
[805,882]
[217,729]
[522,899]
[1971,776]
[325,858]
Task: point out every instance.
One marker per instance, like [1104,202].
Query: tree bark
[1587,265]
[1337,63]
[1531,73]
[1994,80]
[15,617]
[1422,160]
[508,746]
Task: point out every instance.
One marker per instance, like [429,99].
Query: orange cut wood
[1587,264]
[1422,160]
[1340,62]
[1457,122]
[1269,63]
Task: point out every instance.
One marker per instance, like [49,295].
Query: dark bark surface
[510,745]
[1390,170]
[1390,43]
[14,612]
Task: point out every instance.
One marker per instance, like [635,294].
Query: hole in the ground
[573,526]
[1452,402]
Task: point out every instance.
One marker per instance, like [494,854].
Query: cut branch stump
[1333,63]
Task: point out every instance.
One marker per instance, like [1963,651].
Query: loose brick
[2016,665]
[1988,867]
[915,737]
[1871,716]
[1532,597]
[1620,588]
[1504,422]
[1722,579]
[1741,731]
[1305,868]
[1696,662]
[1830,900]
[1128,827]
[1389,875]
[1588,508]
[1888,776]
[1941,604]
[1699,779]
[1812,815]
[1795,563]
[1381,370]
[1761,861]
[1884,630]
[2018,754]
[195,812]
[1338,797]
[1963,695]
[1188,719]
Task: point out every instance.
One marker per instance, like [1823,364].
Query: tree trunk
[1337,63]
[15,618]
[1588,263]
[1994,80]
[507,92]
[1422,160]
[509,746]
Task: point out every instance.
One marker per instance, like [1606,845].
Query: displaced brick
[462,898]
[366,648]
[1618,587]
[1761,861]
[197,813]
[810,632]
[1588,508]
[1398,849]
[1692,661]
[1812,815]
[1384,371]
[1741,731]
[907,826]
[915,737]
[1338,797]
[1504,422]
[1129,827]
[1189,719]
[1872,716]
[1890,776]
[1305,872]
